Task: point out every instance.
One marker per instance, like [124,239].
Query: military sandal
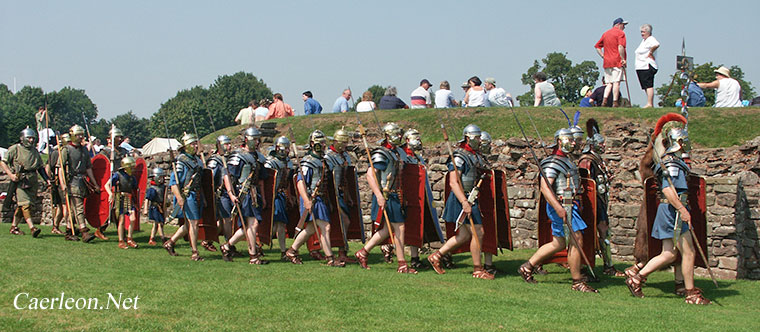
[35,231]
[582,286]
[196,257]
[403,268]
[635,284]
[16,231]
[694,296]
[292,255]
[362,256]
[435,262]
[480,273]
[526,272]
[169,246]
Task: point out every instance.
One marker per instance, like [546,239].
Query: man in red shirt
[279,109]
[613,43]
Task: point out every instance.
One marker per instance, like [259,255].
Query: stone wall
[733,193]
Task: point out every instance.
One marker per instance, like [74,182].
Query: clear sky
[134,55]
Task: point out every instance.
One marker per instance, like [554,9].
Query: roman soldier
[675,214]
[115,153]
[246,171]
[593,166]
[339,164]
[186,186]
[464,172]
[315,202]
[59,210]
[123,193]
[154,205]
[564,180]
[76,169]
[217,163]
[280,164]
[485,151]
[387,162]
[22,163]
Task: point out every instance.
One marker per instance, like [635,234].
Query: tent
[159,145]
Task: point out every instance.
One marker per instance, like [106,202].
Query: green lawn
[708,127]
[178,294]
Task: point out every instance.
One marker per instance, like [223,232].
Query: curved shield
[451,226]
[96,204]
[294,211]
[140,173]
[351,197]
[207,229]
[413,187]
[264,232]
[487,205]
[337,233]
[503,222]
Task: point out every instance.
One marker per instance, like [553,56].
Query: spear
[200,145]
[62,174]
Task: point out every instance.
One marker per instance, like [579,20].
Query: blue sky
[134,55]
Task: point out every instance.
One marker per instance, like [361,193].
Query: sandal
[35,231]
[694,296]
[335,263]
[680,288]
[417,264]
[196,257]
[435,262]
[283,256]
[403,268]
[255,260]
[634,284]
[100,235]
[539,269]
[56,231]
[86,236]
[16,231]
[151,242]
[226,252]
[292,255]
[361,256]
[387,250]
[632,271]
[526,272]
[208,246]
[169,246]
[447,261]
[343,257]
[69,237]
[131,243]
[490,268]
[123,245]
[480,273]
[582,286]
[316,255]
[613,272]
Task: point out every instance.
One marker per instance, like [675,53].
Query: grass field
[178,294]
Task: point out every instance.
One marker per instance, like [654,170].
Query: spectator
[646,67]
[39,117]
[366,104]
[544,91]
[245,115]
[126,144]
[310,106]
[465,86]
[613,43]
[475,95]
[279,109]
[598,95]
[95,143]
[421,95]
[496,96]
[390,101]
[727,90]
[261,112]
[586,93]
[341,104]
[443,97]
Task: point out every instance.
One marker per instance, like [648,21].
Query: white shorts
[613,75]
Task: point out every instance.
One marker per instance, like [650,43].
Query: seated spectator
[390,101]
[245,115]
[310,105]
[366,104]
[341,104]
[465,86]
[586,93]
[598,96]
[421,95]
[728,91]
[443,97]
[476,95]
[279,109]
[260,114]
[496,96]
[544,92]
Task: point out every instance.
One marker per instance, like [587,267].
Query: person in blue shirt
[586,92]
[341,104]
[123,191]
[153,206]
[310,106]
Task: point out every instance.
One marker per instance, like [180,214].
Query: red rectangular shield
[96,204]
[207,229]
[264,232]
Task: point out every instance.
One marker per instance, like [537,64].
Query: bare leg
[452,243]
[161,230]
[303,236]
[132,221]
[574,257]
[650,97]
[324,239]
[153,230]
[475,248]
[615,91]
[194,235]
[607,90]
[280,230]
[181,231]
[667,256]
[547,250]
[120,228]
[687,260]
[376,238]
[398,234]
[414,252]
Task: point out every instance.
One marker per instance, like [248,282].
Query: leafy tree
[177,113]
[15,117]
[66,108]
[377,92]
[703,73]
[133,127]
[100,129]
[567,78]
[226,96]
[32,96]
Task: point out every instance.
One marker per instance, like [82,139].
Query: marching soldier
[76,165]
[279,161]
[59,210]
[387,161]
[338,160]
[563,178]
[312,188]
[21,162]
[185,184]
[673,219]
[217,163]
[469,164]
[485,151]
[154,204]
[123,192]
[246,167]
[593,165]
[115,153]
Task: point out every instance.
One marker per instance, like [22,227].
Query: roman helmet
[65,138]
[221,142]
[128,164]
[485,142]
[678,140]
[671,136]
[578,135]
[413,140]
[564,139]
[471,135]
[340,139]
[393,133]
[595,140]
[157,173]
[115,132]
[282,147]
[252,137]
[28,136]
[317,142]
[76,133]
[187,142]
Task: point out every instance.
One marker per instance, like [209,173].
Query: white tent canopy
[159,145]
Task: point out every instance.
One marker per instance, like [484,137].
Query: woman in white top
[728,91]
[366,104]
[646,67]
[476,95]
[444,98]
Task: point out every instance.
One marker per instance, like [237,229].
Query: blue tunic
[193,207]
[558,228]
[392,204]
[280,208]
[153,213]
[454,207]
[664,222]
[247,207]
[318,207]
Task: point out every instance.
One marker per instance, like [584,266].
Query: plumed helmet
[564,138]
[127,162]
[188,138]
[678,140]
[393,132]
[28,132]
[115,132]
[578,137]
[223,139]
[157,172]
[76,130]
[413,139]
[252,133]
[485,142]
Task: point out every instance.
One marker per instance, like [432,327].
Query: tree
[226,96]
[66,108]
[703,73]
[377,92]
[133,127]
[568,79]
[177,113]
[15,117]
